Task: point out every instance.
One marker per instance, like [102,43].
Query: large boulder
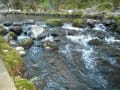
[16,29]
[37,30]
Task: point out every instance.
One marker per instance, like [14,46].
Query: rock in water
[22,53]
[37,30]
[16,29]
[19,49]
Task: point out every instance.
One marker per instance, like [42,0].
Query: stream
[86,59]
[75,58]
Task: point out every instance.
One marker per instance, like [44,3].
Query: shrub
[105,7]
[78,22]
[54,22]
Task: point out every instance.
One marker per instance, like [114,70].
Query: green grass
[14,65]
[105,7]
[23,84]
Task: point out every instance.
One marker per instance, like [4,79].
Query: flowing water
[87,59]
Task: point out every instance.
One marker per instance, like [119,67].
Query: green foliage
[45,4]
[54,22]
[5,2]
[27,42]
[57,4]
[105,7]
[17,4]
[11,59]
[78,22]
[2,30]
[13,62]
[23,84]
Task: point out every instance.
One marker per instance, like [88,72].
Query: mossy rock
[23,84]
[26,43]
[2,30]
[16,29]
[78,22]
[54,22]
[12,35]
[105,7]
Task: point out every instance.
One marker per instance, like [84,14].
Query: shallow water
[76,64]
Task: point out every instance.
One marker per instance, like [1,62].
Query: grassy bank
[14,65]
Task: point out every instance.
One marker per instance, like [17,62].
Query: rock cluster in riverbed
[25,33]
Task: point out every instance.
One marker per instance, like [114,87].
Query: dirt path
[6,82]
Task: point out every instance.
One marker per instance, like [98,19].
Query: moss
[14,65]
[27,42]
[2,30]
[78,22]
[54,22]
[23,84]
[11,59]
[12,35]
[105,7]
